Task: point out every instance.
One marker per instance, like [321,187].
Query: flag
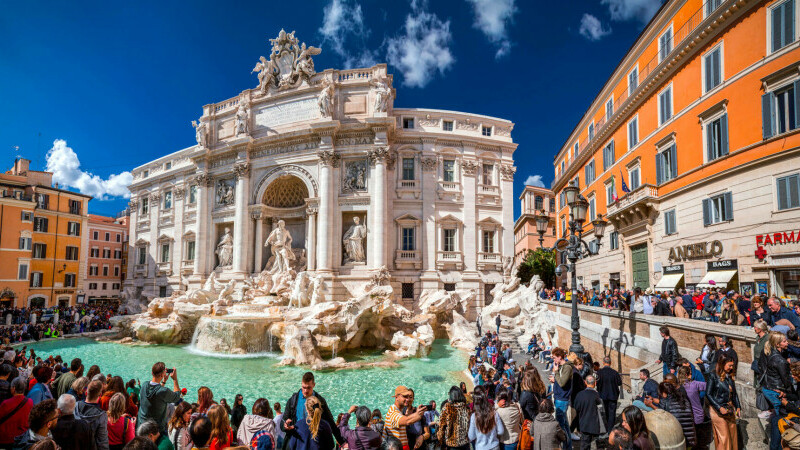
[624,186]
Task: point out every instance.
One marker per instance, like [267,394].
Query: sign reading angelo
[699,250]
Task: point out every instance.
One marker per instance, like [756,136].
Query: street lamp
[574,248]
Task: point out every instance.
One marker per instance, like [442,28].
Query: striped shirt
[392,425]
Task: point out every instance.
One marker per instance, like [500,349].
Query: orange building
[107,238]
[41,232]
[700,122]
[534,200]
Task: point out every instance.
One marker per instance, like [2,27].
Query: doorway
[641,266]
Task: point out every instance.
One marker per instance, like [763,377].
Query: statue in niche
[355,178]
[225,249]
[200,132]
[225,194]
[354,242]
[281,241]
[382,95]
[240,123]
[325,101]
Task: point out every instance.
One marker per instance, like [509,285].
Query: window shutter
[728,206]
[768,115]
[673,162]
[723,135]
[709,80]
[21,243]
[788,22]
[613,156]
[793,189]
[706,212]
[672,223]
[797,104]
[668,105]
[783,193]
[659,169]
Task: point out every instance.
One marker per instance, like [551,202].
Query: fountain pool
[260,376]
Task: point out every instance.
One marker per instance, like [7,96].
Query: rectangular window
[69,280]
[408,291]
[115,286]
[666,165]
[712,5]
[665,44]
[24,243]
[712,69]
[779,110]
[408,169]
[168,200]
[22,272]
[788,192]
[164,252]
[611,191]
[145,205]
[588,172]
[74,207]
[94,252]
[96,235]
[105,271]
[563,226]
[116,271]
[591,131]
[718,209]
[39,251]
[40,224]
[105,286]
[119,237]
[576,181]
[73,228]
[190,251]
[193,194]
[92,270]
[592,208]
[167,165]
[449,287]
[409,243]
[449,170]
[633,132]
[552,205]
[716,138]
[635,178]
[27,216]
[447,125]
[561,200]
[106,253]
[117,254]
[93,286]
[609,108]
[71,253]
[42,201]
[142,255]
[449,240]
[613,239]
[633,80]
[608,156]
[665,105]
[782,24]
[486,131]
[669,222]
[36,279]
[488,169]
[488,241]
[408,123]
[145,174]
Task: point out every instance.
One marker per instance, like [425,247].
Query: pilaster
[507,171]
[202,248]
[241,229]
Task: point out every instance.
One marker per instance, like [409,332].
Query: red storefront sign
[763,240]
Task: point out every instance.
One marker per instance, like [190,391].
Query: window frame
[662,148]
[486,131]
[590,180]
[637,168]
[635,70]
[450,239]
[613,240]
[786,176]
[20,275]
[408,238]
[667,214]
[770,10]
[165,252]
[452,170]
[671,104]
[612,185]
[663,55]
[488,237]
[724,142]
[403,168]
[718,205]
[607,165]
[448,125]
[609,111]
[408,120]
[592,209]
[704,66]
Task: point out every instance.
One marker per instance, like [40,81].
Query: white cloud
[641,10]
[343,27]
[534,180]
[492,17]
[592,29]
[66,168]
[423,48]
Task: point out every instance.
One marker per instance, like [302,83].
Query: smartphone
[169,371]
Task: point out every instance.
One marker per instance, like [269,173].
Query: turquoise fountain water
[261,376]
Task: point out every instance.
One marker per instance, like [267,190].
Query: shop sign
[700,250]
[63,291]
[725,264]
[763,240]
[676,268]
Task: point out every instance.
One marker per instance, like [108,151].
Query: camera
[169,371]
[431,407]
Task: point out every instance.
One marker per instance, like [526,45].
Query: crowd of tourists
[32,324]
[715,305]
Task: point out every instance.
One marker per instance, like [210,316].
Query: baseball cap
[401,390]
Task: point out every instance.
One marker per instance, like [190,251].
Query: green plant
[541,262]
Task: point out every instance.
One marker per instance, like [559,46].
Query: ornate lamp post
[574,248]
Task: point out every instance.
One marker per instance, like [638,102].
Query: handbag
[761,400]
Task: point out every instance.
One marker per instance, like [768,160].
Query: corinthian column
[377,157]
[327,160]
[242,224]
[203,220]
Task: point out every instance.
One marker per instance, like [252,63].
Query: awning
[721,278]
[669,281]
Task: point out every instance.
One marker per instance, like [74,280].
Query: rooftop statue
[289,64]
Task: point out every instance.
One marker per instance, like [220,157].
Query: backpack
[525,439]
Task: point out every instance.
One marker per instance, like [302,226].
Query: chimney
[21,166]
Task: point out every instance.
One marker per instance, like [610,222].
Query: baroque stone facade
[431,189]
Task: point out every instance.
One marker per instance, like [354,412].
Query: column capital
[178,192]
[241,169]
[328,158]
[378,155]
[133,203]
[428,164]
[469,168]
[203,179]
[507,172]
[155,196]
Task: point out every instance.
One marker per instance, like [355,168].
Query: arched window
[37,302]
[538,203]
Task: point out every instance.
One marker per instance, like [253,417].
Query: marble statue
[225,194]
[200,132]
[289,64]
[241,120]
[353,242]
[325,101]
[281,242]
[266,74]
[382,95]
[225,249]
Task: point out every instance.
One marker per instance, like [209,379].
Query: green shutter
[767,115]
[706,212]
[783,193]
[723,135]
[659,169]
[728,206]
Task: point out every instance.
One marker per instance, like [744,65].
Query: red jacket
[16,424]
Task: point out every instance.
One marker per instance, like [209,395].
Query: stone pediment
[407,218]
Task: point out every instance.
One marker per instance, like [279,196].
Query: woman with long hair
[376,421]
[221,432]
[178,426]
[453,431]
[633,421]
[756,309]
[133,390]
[314,433]
[730,313]
[707,355]
[94,370]
[776,379]
[115,385]
[724,401]
[239,411]
[675,402]
[533,392]
[205,398]
[259,420]
[78,388]
[485,425]
[121,426]
[511,416]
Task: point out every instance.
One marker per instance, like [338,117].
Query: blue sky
[93,89]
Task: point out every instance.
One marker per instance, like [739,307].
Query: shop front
[722,274]
[779,264]
[671,279]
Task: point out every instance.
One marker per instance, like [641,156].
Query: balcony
[489,261]
[449,189]
[187,264]
[488,194]
[164,268]
[450,260]
[408,188]
[639,205]
[408,259]
[140,270]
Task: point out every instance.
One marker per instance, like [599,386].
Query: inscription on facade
[700,250]
[297,111]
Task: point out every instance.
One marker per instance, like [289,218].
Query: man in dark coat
[296,410]
[589,420]
[498,321]
[608,383]
[71,433]
[669,352]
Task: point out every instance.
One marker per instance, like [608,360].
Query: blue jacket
[39,392]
